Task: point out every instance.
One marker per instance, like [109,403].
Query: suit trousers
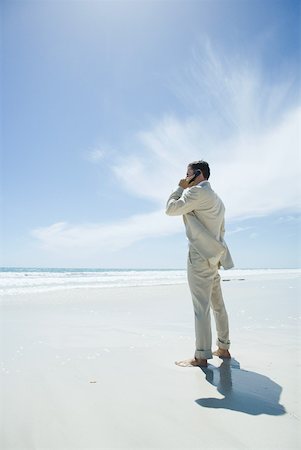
[206,293]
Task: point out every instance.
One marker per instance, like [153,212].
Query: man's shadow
[243,391]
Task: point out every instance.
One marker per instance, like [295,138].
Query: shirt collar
[202,182]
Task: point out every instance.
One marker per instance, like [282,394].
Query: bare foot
[222,353]
[195,362]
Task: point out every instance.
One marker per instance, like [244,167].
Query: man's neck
[201,182]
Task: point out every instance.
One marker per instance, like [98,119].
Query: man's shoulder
[201,189]
[195,191]
[204,192]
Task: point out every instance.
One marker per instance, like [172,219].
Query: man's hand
[184,183]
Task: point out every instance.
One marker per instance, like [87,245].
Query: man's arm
[223,229]
[181,202]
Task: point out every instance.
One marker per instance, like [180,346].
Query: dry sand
[94,369]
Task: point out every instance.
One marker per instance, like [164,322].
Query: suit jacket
[203,214]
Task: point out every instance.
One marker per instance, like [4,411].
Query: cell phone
[196,174]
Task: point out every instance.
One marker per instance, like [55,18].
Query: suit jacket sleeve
[182,202]
[223,230]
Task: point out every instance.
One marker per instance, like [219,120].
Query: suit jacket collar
[204,183]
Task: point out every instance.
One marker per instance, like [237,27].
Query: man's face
[190,172]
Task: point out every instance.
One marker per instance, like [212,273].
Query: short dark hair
[203,166]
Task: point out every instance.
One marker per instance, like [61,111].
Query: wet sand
[94,369]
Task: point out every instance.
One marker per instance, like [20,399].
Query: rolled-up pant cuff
[203,354]
[225,345]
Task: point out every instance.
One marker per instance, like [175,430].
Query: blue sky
[105,102]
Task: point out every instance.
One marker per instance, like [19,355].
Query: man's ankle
[222,352]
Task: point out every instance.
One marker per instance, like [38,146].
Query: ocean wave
[15,282]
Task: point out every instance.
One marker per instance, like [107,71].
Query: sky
[104,103]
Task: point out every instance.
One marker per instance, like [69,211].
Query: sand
[94,369]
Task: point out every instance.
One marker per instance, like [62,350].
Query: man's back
[209,209]
[203,215]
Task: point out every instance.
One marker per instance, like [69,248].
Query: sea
[23,280]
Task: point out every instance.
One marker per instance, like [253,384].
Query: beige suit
[203,215]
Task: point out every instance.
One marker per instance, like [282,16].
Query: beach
[94,368]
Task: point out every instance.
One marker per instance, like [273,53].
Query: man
[203,215]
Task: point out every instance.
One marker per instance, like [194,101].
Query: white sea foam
[18,281]
[26,282]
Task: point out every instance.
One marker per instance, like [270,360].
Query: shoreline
[21,283]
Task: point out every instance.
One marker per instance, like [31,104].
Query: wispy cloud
[230,93]
[248,171]
[238,230]
[95,155]
[112,236]
[239,125]
[237,121]
[289,218]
